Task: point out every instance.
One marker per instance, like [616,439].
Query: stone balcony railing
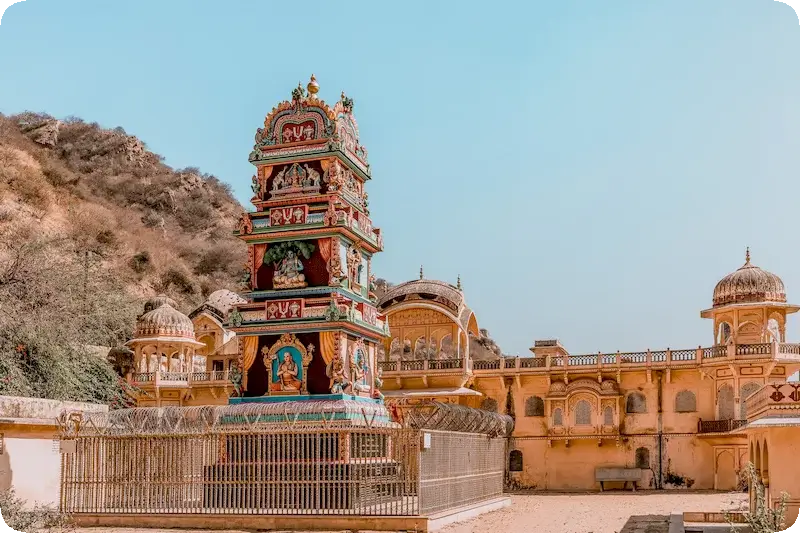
[179,378]
[422,366]
[719,426]
[663,359]
[778,399]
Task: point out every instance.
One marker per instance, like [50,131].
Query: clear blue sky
[591,169]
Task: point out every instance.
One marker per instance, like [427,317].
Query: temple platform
[325,409]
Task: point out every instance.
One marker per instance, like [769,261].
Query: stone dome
[223,300]
[558,386]
[609,385]
[165,321]
[157,301]
[749,284]
[426,289]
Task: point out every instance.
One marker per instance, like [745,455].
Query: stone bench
[618,474]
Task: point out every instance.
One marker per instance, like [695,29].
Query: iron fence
[242,460]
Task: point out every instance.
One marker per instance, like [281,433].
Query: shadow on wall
[6,474]
[646,524]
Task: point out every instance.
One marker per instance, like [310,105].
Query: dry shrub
[23,174]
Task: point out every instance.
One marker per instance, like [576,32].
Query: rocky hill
[92,223]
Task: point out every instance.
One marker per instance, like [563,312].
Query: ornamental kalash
[307,443]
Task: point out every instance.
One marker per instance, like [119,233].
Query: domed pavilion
[749,306]
[430,325]
[428,319]
[171,367]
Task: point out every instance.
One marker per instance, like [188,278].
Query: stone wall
[30,461]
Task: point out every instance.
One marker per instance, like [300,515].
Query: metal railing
[451,478]
[379,471]
[719,426]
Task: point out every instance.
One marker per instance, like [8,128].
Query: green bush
[37,519]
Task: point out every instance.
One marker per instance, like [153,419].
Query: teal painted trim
[303,398]
[311,328]
[308,291]
[324,152]
[312,417]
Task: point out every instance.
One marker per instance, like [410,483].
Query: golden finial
[420,272]
[313,87]
[747,255]
[458,283]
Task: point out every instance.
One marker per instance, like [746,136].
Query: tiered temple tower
[310,325]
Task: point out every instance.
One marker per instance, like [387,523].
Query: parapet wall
[15,407]
[30,460]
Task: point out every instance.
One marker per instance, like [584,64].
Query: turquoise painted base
[318,408]
[304,398]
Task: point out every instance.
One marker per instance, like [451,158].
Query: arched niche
[746,390]
[608,416]
[642,458]
[635,403]
[534,407]
[515,461]
[685,402]
[725,402]
[558,417]
[489,404]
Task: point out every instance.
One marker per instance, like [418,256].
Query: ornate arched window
[489,404]
[685,402]
[608,416]
[636,403]
[723,333]
[515,461]
[558,417]
[774,329]
[583,413]
[534,406]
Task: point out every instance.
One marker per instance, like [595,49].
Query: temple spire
[747,256]
[458,283]
[420,272]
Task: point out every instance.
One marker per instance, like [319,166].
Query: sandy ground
[614,512]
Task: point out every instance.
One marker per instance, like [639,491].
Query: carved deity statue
[353,266]
[312,177]
[358,371]
[289,272]
[335,371]
[256,186]
[287,374]
[278,182]
[333,176]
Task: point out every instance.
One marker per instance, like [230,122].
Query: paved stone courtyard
[613,512]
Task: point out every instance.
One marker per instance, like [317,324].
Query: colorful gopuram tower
[310,325]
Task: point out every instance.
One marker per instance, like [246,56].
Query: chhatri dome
[427,289]
[158,301]
[749,284]
[165,321]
